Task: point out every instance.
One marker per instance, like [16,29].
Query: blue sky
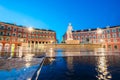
[56,14]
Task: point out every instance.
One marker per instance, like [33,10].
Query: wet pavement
[7,64]
[19,68]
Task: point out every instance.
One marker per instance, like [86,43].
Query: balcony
[2,27]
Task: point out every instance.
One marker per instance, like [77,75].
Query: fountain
[69,35]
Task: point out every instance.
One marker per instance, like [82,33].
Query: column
[34,46]
[38,44]
[30,46]
[38,47]
[2,51]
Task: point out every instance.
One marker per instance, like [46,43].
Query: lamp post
[99,32]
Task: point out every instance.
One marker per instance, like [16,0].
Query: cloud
[10,16]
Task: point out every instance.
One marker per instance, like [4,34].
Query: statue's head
[70,24]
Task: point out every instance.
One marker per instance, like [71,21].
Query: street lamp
[51,42]
[30,29]
[99,31]
[101,40]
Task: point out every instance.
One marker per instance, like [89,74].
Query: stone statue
[69,32]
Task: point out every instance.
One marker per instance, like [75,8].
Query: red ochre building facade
[13,36]
[108,37]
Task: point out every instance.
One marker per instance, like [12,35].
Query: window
[109,46]
[19,30]
[24,35]
[103,46]
[114,35]
[109,40]
[1,33]
[33,32]
[37,32]
[115,46]
[103,36]
[7,39]
[93,33]
[9,28]
[90,37]
[119,35]
[94,37]
[20,40]
[115,40]
[74,34]
[15,29]
[118,29]
[24,40]
[14,34]
[108,36]
[32,36]
[113,30]
[8,34]
[19,35]
[40,37]
[1,27]
[36,36]
[103,32]
[1,38]
[79,34]
[99,37]
[29,36]
[107,31]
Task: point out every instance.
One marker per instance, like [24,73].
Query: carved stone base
[72,42]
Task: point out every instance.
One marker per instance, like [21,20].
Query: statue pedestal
[72,42]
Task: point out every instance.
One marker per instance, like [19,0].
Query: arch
[1,38]
[115,47]
[109,46]
[7,46]
[104,46]
[32,42]
[7,38]
[28,41]
[36,42]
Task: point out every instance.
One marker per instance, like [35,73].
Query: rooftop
[96,28]
[26,26]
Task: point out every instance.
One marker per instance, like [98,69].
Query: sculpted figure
[69,32]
